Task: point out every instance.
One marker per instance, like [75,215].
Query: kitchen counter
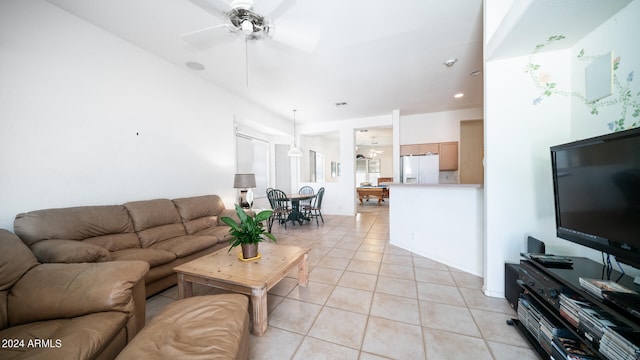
[443,222]
[432,185]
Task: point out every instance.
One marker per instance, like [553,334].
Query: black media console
[543,306]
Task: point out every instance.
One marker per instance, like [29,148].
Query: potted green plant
[248,232]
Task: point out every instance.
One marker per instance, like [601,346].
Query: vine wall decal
[623,96]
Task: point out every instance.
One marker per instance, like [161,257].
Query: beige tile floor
[367,299]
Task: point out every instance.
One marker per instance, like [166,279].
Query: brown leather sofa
[67,311]
[164,233]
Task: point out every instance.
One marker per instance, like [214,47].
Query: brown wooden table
[254,278]
[379,192]
[296,213]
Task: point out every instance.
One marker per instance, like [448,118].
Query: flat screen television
[596,185]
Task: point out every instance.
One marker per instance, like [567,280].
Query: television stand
[547,294]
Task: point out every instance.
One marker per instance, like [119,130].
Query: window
[316,166]
[252,157]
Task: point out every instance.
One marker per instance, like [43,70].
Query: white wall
[435,127]
[619,35]
[518,134]
[86,118]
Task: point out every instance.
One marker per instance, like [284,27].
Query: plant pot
[249,251]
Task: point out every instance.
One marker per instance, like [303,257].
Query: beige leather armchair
[67,311]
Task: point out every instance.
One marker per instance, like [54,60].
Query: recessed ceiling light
[458,95]
[450,62]
[194,65]
[476,73]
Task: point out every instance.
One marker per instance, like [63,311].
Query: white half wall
[440,222]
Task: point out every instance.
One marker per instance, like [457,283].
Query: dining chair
[315,210]
[305,204]
[280,206]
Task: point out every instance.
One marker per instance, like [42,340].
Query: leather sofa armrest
[69,251]
[53,291]
[137,322]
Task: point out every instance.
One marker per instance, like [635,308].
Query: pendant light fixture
[294,151]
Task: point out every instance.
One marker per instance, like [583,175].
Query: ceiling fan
[373,152]
[241,19]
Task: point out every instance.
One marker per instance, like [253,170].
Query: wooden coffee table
[225,270]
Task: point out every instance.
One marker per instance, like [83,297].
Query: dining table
[296,215]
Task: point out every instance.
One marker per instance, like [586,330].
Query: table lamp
[245,182]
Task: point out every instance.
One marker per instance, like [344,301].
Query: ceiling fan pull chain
[246,58]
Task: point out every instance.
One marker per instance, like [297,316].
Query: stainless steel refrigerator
[423,169]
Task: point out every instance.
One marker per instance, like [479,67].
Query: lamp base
[242,200]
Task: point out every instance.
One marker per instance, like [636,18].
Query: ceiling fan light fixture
[247,27]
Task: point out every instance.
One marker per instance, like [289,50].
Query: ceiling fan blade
[218,8]
[279,9]
[209,35]
[300,36]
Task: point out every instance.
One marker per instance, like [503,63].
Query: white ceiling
[375,55]
[531,22]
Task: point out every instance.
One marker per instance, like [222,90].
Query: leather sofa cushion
[200,327]
[69,251]
[155,220]
[154,257]
[199,212]
[220,232]
[186,245]
[74,223]
[80,337]
[196,225]
[69,290]
[115,242]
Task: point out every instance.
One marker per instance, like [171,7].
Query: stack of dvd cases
[593,322]
[550,328]
[571,348]
[620,344]
[570,305]
[597,286]
[540,323]
[529,316]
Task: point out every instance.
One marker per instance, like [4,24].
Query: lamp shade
[294,151]
[244,181]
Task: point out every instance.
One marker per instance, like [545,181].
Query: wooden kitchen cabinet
[433,148]
[413,149]
[419,149]
[449,156]
[448,152]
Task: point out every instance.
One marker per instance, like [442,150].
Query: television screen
[597,193]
